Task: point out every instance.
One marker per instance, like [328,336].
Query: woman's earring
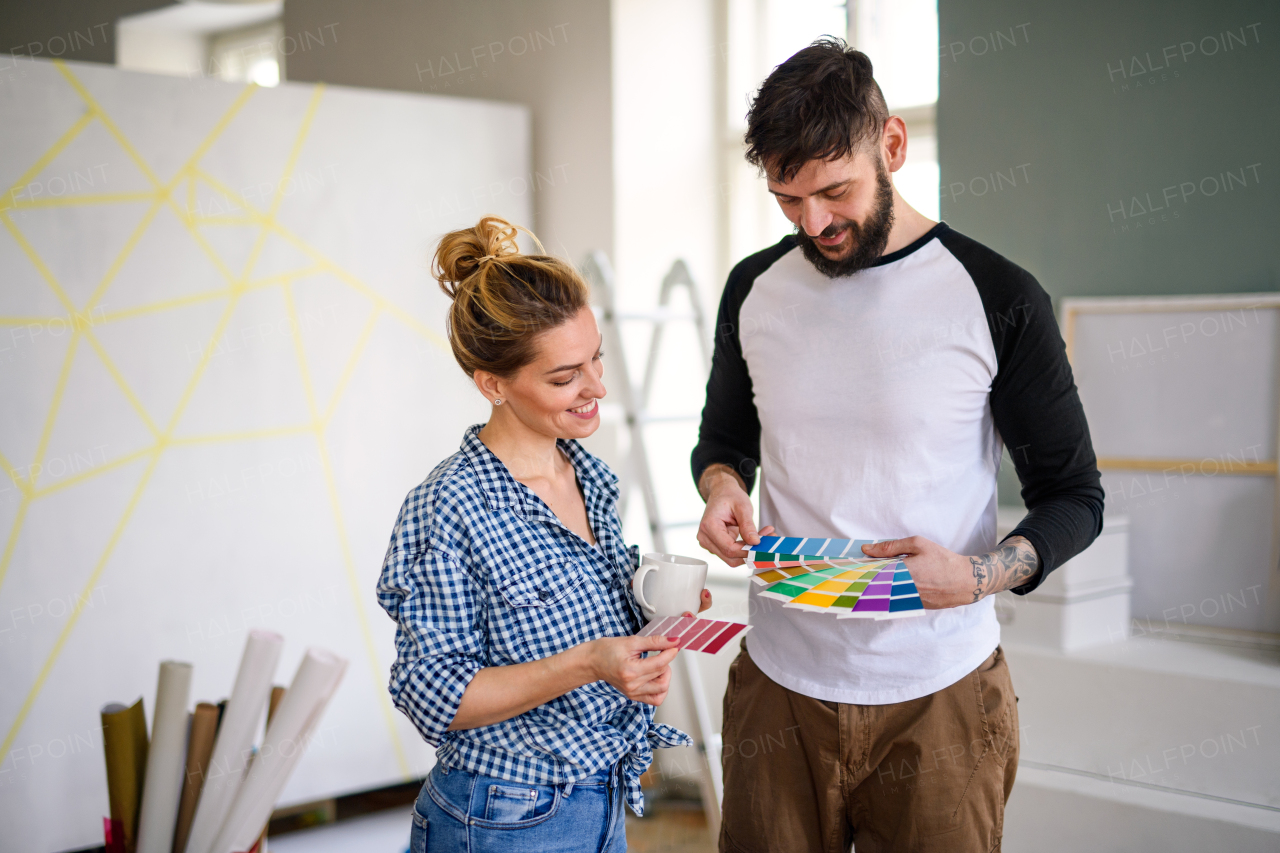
[497,401]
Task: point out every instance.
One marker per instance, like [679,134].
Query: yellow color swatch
[816,599]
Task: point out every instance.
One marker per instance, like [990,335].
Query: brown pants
[931,774]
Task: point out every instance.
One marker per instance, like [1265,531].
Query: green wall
[1115,147]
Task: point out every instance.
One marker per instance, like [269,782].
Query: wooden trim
[1071,306]
[1188,466]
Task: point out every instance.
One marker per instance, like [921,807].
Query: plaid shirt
[480,572]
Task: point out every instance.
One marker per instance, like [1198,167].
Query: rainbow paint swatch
[830,582]
[814,547]
[694,634]
[883,591]
[765,572]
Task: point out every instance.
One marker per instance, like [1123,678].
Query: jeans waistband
[611,777]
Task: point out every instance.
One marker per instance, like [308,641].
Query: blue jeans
[461,811]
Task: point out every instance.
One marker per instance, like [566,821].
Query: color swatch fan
[833,576]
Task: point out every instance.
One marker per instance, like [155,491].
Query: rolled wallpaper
[234,745]
[165,759]
[294,721]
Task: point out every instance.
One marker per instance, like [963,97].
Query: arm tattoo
[1011,564]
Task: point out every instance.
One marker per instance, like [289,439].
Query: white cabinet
[1083,602]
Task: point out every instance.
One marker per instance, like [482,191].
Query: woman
[510,582]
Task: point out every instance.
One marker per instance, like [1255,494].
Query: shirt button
[543,594]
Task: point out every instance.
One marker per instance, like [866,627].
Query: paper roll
[165,759]
[295,720]
[124,741]
[234,745]
[277,693]
[204,728]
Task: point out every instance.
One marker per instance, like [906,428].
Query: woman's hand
[498,693]
[621,662]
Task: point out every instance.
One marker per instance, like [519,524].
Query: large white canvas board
[223,366]
[1182,395]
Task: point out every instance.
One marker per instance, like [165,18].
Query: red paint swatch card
[693,634]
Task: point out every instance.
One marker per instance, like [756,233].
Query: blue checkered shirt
[480,572]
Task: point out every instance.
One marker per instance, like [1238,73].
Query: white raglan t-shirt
[874,399]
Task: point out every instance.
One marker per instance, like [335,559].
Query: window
[251,54]
[900,36]
[239,42]
[761,35]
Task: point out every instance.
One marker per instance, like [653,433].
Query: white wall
[224,364]
[490,49]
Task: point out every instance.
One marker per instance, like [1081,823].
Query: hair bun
[500,295]
[461,254]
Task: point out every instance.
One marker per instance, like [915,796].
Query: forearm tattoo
[1012,564]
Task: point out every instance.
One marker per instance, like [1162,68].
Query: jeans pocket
[418,834]
[512,806]
[510,803]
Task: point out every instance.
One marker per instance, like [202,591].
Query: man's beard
[869,239]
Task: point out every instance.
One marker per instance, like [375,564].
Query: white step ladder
[638,472]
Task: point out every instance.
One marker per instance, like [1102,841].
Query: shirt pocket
[551,607]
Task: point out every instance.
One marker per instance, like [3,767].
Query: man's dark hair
[822,103]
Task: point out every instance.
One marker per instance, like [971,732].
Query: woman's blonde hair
[501,298]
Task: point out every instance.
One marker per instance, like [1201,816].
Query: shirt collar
[501,489]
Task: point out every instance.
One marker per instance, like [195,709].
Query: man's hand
[947,579]
[728,515]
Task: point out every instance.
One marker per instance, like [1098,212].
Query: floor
[382,832]
[670,829]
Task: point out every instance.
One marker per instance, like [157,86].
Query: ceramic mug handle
[637,585]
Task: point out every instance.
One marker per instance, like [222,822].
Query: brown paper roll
[124,742]
[277,693]
[204,725]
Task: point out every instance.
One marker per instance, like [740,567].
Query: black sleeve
[1036,409]
[730,428]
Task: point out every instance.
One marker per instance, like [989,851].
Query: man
[872,364]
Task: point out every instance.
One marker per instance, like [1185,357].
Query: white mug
[669,585]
